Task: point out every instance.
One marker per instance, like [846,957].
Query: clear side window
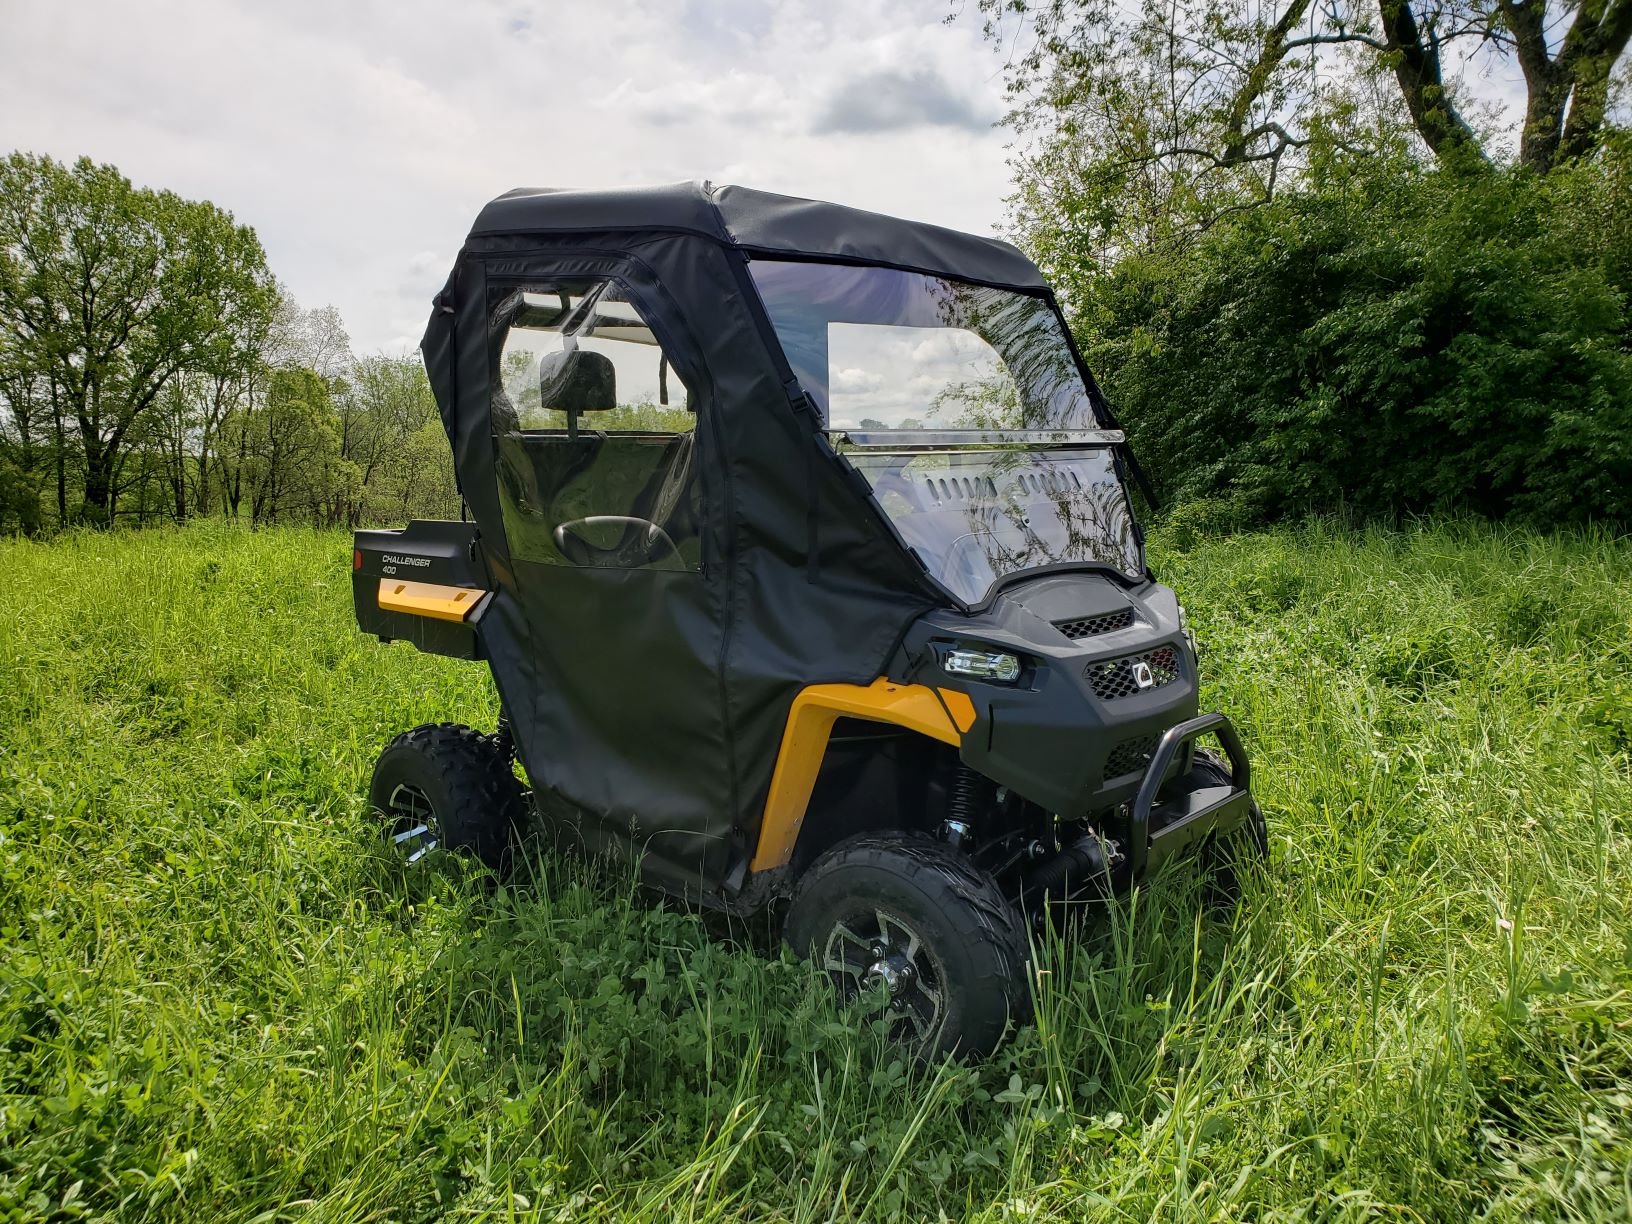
[883,376]
[880,348]
[593,431]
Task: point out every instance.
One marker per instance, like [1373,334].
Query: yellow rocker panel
[449,603]
[942,714]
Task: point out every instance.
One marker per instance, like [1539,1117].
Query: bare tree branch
[1319,40]
[1258,77]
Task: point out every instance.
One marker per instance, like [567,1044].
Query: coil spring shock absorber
[961,803]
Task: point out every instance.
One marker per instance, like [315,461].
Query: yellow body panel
[448,603]
[942,714]
[960,707]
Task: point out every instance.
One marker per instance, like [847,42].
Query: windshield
[881,350]
[974,516]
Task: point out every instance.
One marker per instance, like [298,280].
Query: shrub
[1396,343]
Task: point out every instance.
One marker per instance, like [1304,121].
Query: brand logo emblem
[1142,675]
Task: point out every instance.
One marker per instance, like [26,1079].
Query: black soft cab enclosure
[802,554]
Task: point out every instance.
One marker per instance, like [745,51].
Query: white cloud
[887,373]
[890,99]
[361,138]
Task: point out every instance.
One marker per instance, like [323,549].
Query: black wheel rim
[872,950]
[410,823]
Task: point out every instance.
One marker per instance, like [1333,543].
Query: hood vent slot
[1024,484]
[1092,626]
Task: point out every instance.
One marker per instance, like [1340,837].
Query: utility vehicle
[801,551]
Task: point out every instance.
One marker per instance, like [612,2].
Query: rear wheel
[446,787]
[914,923]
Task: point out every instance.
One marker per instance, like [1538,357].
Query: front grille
[1089,626]
[1113,678]
[1130,756]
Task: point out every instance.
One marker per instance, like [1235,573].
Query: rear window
[592,317]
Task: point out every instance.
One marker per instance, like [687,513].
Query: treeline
[1314,273]
[152,369]
[1310,269]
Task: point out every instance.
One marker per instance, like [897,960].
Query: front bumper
[1167,821]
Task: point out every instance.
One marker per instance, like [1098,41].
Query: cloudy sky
[359,137]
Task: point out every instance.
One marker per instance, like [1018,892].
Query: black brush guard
[1159,830]
[1156,830]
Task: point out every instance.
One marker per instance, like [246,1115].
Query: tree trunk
[208,435]
[1591,59]
[117,485]
[1417,70]
[98,508]
[62,456]
[1547,86]
[143,481]
[1577,77]
[178,480]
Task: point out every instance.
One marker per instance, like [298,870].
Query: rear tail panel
[426,584]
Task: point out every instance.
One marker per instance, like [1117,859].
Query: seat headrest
[577,380]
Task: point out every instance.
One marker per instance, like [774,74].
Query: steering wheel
[640,541]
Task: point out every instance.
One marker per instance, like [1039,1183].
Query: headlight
[1184,628]
[982,664]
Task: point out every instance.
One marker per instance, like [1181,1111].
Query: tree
[1396,344]
[1148,123]
[381,404]
[23,439]
[22,430]
[321,343]
[108,292]
[288,450]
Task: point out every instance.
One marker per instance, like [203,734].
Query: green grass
[218,1002]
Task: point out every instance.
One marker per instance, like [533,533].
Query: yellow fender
[942,714]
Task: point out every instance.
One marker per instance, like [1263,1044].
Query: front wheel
[1227,859]
[446,787]
[915,923]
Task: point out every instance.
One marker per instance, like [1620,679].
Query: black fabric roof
[763,222]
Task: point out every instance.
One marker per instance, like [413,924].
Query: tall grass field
[219,1001]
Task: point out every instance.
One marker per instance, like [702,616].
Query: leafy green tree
[1402,343]
[108,292]
[1142,125]
[381,404]
[286,451]
[420,484]
[19,498]
[24,440]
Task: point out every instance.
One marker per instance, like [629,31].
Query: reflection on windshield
[878,348]
[976,516]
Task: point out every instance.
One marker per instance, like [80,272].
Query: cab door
[604,469]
